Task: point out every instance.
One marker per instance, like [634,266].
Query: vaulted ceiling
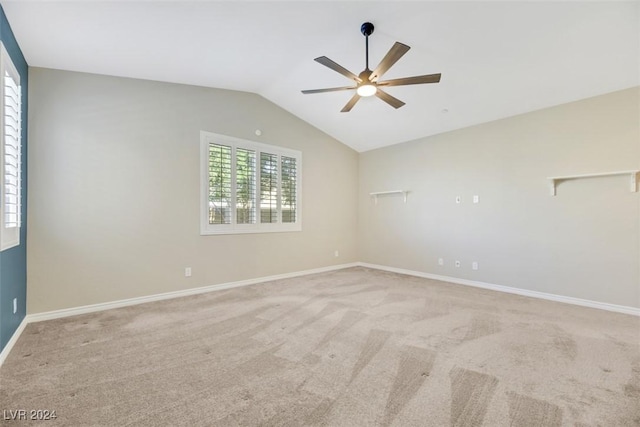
[497,59]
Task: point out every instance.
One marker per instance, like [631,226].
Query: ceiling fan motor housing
[367,29]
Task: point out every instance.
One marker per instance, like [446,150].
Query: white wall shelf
[554,180]
[385,193]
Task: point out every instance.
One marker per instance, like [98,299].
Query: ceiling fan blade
[337,67]
[350,104]
[396,52]
[415,80]
[331,89]
[394,102]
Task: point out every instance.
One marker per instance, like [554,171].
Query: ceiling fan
[367,82]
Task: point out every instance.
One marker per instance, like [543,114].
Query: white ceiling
[497,59]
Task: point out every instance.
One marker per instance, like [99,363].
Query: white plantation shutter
[289,186]
[248,187]
[11,153]
[219,184]
[245,177]
[268,188]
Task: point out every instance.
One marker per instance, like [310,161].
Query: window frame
[9,237]
[207,138]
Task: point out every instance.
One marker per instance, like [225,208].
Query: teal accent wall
[13,262]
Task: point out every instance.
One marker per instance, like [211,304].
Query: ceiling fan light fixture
[367,89]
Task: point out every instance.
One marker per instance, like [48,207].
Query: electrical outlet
[474,265]
[440,261]
[187,272]
[476,199]
[15,305]
[336,253]
[457,264]
[458,199]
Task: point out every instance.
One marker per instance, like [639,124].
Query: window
[10,152]
[248,187]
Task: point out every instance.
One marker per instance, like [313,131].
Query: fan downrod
[367,29]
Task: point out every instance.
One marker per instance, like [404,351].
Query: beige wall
[114,190]
[114,195]
[583,243]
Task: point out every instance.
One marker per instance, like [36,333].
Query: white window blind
[248,187]
[10,172]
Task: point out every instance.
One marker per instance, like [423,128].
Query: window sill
[8,245]
[252,230]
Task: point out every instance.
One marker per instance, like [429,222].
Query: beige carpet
[354,347]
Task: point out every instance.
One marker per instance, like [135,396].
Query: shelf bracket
[552,186]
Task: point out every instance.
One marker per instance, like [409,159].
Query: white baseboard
[524,292]
[67,312]
[56,314]
[12,341]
